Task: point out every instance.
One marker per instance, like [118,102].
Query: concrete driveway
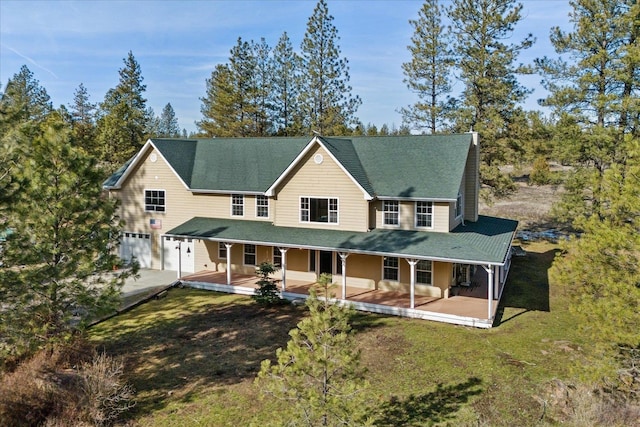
[148,280]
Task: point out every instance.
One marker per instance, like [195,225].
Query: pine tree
[595,95]
[328,105]
[168,124]
[83,119]
[491,89]
[123,118]
[219,107]
[64,233]
[287,118]
[267,290]
[318,377]
[264,88]
[428,73]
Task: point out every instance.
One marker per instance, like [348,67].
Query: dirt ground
[530,205]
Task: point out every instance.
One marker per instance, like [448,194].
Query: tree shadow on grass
[430,408]
[527,286]
[175,347]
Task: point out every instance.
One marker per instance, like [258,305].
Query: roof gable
[342,153]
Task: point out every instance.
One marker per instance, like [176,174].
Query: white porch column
[490,285]
[343,259]
[179,248]
[228,246]
[496,281]
[283,251]
[412,263]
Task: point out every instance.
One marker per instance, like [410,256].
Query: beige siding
[441,212]
[321,180]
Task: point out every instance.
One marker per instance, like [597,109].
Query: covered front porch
[470,307]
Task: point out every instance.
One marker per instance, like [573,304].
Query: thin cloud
[31,60]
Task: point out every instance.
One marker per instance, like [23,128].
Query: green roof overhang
[486,241]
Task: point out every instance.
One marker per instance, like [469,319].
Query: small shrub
[541,172]
[267,291]
[106,396]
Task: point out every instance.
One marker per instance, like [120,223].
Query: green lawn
[193,355]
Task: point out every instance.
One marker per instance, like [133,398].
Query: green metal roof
[415,166]
[483,242]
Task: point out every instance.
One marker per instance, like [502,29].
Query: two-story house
[393,219]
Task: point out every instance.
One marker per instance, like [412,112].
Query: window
[262,206]
[249,254]
[390,268]
[390,212]
[222,250]
[154,201]
[423,272]
[318,210]
[338,264]
[424,214]
[237,205]
[312,260]
[277,257]
[459,205]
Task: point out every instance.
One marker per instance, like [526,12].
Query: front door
[326,264]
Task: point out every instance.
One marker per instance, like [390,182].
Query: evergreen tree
[264,88]
[318,377]
[491,89]
[267,290]
[287,118]
[595,96]
[168,124]
[326,98]
[65,231]
[243,64]
[428,73]
[123,118]
[601,269]
[24,99]
[83,120]
[219,106]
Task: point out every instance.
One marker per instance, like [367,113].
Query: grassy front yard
[193,355]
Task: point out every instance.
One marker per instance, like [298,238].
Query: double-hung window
[277,257]
[262,206]
[424,214]
[249,254]
[154,201]
[222,250]
[390,212]
[390,268]
[237,205]
[423,272]
[318,210]
[459,205]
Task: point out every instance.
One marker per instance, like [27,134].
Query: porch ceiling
[486,241]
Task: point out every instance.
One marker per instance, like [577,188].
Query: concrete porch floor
[469,303]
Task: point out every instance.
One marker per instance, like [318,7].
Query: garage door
[138,246]
[179,253]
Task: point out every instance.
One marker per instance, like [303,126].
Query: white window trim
[232,205]
[144,200]
[259,206]
[430,271]
[384,224]
[398,268]
[328,199]
[244,254]
[415,215]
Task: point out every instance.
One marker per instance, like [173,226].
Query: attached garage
[138,246]
[179,254]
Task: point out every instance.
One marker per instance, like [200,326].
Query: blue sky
[178,44]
